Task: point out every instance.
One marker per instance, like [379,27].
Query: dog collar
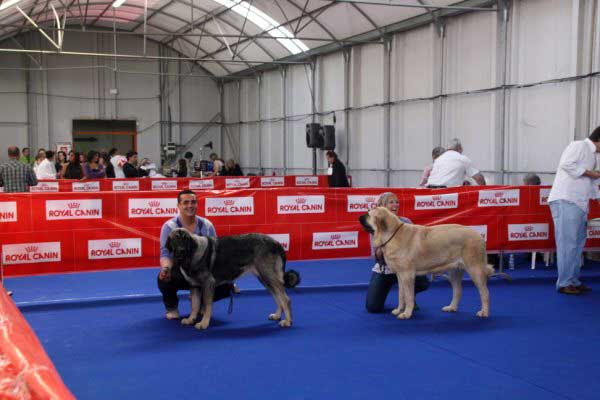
[393,234]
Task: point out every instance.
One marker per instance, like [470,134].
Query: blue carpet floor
[106,335]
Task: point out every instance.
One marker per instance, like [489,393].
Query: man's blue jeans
[570,231]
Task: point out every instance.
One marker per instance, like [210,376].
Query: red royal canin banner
[165,184]
[96,230]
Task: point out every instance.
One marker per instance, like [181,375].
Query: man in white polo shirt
[452,168]
[574,185]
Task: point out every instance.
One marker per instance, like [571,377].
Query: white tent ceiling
[231,31]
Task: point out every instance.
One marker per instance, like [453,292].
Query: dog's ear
[380,222]
[190,246]
[168,244]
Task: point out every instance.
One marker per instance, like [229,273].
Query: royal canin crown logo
[31,249]
[114,244]
[438,197]
[528,228]
[300,200]
[73,205]
[229,202]
[336,236]
[498,194]
[370,199]
[154,203]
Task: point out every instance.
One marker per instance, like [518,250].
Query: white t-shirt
[46,170]
[569,183]
[450,169]
[118,161]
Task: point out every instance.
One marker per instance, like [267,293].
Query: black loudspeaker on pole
[329,137]
[314,138]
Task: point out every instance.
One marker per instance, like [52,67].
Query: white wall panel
[411,138]
[541,126]
[331,82]
[13,105]
[366,139]
[298,103]
[471,118]
[249,132]
[412,64]
[544,40]
[367,75]
[272,109]
[470,52]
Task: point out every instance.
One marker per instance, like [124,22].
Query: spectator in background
[117,161]
[452,168]
[532,180]
[336,171]
[82,159]
[46,169]
[218,164]
[435,153]
[39,158]
[231,168]
[188,156]
[61,161]
[130,168]
[573,187]
[14,175]
[110,170]
[73,169]
[93,169]
[182,171]
[26,156]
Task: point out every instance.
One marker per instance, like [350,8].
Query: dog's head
[182,245]
[375,220]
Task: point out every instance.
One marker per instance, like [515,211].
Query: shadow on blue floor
[536,345]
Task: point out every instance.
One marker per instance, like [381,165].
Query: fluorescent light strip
[266,23]
[118,3]
[8,3]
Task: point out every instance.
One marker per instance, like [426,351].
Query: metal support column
[221,88]
[259,127]
[313,110]
[502,54]
[283,72]
[347,53]
[387,56]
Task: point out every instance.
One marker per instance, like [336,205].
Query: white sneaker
[173,314]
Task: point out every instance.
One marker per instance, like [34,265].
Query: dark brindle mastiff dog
[411,250]
[206,262]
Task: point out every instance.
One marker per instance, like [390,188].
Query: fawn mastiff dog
[206,262]
[411,250]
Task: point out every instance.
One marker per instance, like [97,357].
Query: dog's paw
[449,309]
[188,321]
[483,314]
[274,317]
[285,323]
[201,325]
[396,311]
[404,315]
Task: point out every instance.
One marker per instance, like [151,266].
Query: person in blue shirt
[170,279]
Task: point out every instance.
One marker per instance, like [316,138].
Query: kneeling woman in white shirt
[382,278]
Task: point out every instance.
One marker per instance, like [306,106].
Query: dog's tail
[291,278]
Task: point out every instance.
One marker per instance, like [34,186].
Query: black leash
[393,234]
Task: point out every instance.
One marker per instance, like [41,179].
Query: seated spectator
[117,161]
[46,169]
[182,171]
[452,168]
[73,169]
[61,160]
[130,168]
[26,156]
[231,168]
[41,156]
[218,164]
[435,153]
[82,158]
[532,180]
[93,169]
